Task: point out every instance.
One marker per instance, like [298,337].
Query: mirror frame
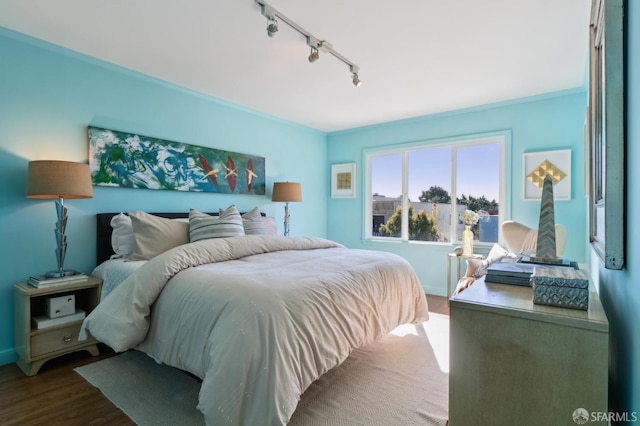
[605,132]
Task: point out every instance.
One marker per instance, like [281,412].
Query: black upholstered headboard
[104,249]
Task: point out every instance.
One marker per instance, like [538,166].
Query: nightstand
[515,362]
[37,346]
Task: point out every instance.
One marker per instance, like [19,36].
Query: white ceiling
[416,57]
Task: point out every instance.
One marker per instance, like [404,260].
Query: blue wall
[620,290]
[49,95]
[537,124]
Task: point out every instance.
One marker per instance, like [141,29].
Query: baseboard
[8,356]
[436,291]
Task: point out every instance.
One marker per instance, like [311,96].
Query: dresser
[513,362]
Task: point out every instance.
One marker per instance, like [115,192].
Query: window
[417,192]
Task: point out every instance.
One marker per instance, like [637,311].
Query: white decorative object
[469,218]
[467,241]
[60,306]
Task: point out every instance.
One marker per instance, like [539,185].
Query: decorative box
[60,306]
[560,286]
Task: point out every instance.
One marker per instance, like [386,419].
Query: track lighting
[272,27]
[314,56]
[356,81]
[354,74]
[314,43]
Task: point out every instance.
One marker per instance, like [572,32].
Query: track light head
[356,81]
[314,55]
[272,27]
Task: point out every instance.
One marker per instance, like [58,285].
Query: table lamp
[50,179]
[287,192]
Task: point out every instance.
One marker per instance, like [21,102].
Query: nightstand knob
[66,339]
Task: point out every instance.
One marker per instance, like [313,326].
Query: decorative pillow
[153,235]
[477,268]
[121,236]
[203,226]
[271,226]
[496,254]
[464,283]
[253,223]
[473,265]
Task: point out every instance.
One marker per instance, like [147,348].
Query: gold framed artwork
[343,180]
[537,165]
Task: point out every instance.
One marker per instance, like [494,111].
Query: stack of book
[514,273]
[42,321]
[40,281]
[558,262]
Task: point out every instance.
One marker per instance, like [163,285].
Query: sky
[478,168]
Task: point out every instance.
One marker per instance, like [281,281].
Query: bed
[257,317]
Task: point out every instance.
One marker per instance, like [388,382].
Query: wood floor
[59,396]
[438,304]
[56,395]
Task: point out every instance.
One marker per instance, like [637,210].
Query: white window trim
[502,137]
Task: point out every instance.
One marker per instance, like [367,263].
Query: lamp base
[60,274]
[286,219]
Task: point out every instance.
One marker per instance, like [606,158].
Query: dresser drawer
[55,340]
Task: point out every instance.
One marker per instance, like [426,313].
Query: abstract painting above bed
[258,317]
[136,161]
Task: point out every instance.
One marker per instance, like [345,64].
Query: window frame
[502,138]
[605,133]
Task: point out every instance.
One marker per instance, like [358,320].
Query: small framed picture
[536,165]
[343,180]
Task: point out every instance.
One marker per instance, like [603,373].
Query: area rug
[400,380]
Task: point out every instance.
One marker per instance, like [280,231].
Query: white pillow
[477,268]
[153,235]
[496,254]
[253,223]
[203,226]
[474,268]
[271,226]
[121,236]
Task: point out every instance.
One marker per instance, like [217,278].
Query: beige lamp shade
[54,179]
[287,192]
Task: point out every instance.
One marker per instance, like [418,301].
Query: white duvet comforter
[258,318]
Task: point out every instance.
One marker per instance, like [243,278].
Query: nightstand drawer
[55,340]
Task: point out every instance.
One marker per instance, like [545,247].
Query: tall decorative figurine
[546,244]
